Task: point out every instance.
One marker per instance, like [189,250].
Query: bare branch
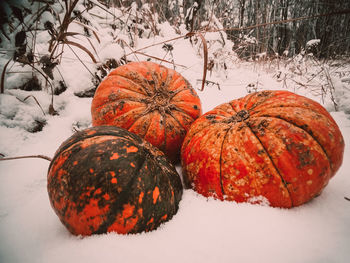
[26,157]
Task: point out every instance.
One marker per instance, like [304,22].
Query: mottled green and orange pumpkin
[106,179]
[271,144]
[150,100]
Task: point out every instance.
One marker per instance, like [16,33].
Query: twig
[31,96]
[81,61]
[208,82]
[25,157]
[205,56]
[106,10]
[160,59]
[158,43]
[81,47]
[125,43]
[47,80]
[2,85]
[89,27]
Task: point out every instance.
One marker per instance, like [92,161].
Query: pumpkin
[106,179]
[150,100]
[273,146]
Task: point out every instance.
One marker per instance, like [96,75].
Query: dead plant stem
[26,157]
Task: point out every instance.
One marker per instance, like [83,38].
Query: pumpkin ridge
[150,214]
[167,81]
[272,162]
[133,82]
[175,107]
[120,100]
[220,162]
[71,145]
[178,77]
[204,136]
[188,139]
[170,186]
[136,119]
[311,135]
[207,124]
[150,122]
[182,111]
[163,146]
[231,105]
[180,124]
[68,143]
[118,204]
[155,76]
[247,100]
[256,95]
[169,178]
[177,92]
[214,114]
[188,86]
[172,177]
[141,82]
[111,102]
[285,107]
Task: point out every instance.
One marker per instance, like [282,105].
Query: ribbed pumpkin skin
[150,100]
[274,144]
[106,179]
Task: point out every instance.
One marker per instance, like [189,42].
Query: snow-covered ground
[203,230]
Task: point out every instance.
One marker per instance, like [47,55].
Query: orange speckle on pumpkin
[164,217]
[112,173]
[106,196]
[132,164]
[150,221]
[115,156]
[94,217]
[91,170]
[85,144]
[141,197]
[98,191]
[123,226]
[75,162]
[132,149]
[90,132]
[155,194]
[140,211]
[128,210]
[114,180]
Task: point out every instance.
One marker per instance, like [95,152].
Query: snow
[313,42]
[203,230]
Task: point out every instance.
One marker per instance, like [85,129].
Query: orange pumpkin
[271,144]
[150,100]
[106,179]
